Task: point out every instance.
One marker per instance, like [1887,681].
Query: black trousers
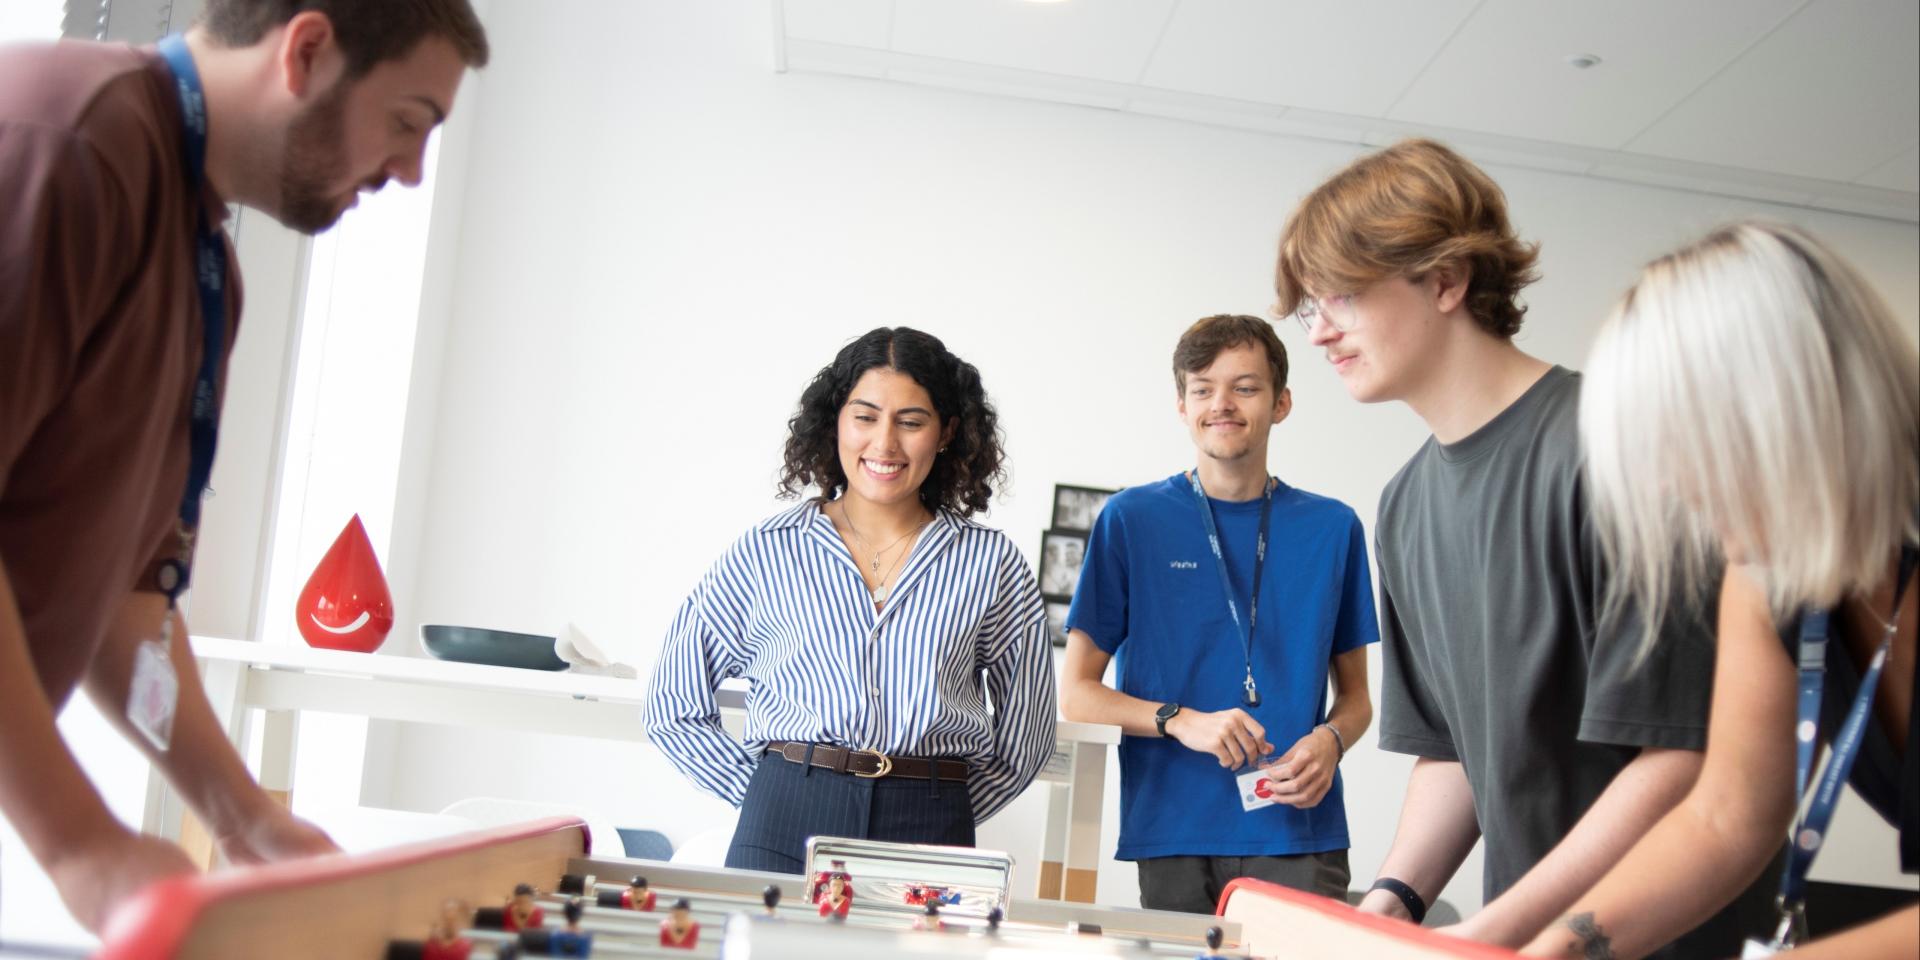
[787,803]
[1194,884]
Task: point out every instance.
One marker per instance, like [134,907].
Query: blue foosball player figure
[994,917]
[572,941]
[1214,936]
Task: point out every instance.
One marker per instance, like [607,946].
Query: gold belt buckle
[886,766]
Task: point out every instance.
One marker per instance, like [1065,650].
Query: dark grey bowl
[494,647]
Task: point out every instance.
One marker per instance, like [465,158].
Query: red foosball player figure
[522,912]
[444,941]
[679,929]
[636,896]
[819,884]
[837,897]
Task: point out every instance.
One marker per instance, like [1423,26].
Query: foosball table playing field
[533,890]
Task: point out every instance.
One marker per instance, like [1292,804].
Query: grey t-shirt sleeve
[1411,720]
[1663,699]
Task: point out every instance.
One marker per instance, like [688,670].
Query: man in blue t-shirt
[1223,653]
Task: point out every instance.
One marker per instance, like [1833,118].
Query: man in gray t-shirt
[1489,585]
[1533,724]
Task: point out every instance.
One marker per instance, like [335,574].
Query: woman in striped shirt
[902,679]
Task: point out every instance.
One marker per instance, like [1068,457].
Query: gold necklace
[848,517]
[880,590]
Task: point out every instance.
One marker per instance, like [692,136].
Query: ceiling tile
[1506,70]
[1336,57]
[813,56]
[856,23]
[1868,201]
[1813,102]
[1108,40]
[1010,87]
[1900,173]
[1829,94]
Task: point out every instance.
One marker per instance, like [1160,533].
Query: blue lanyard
[1812,830]
[210,274]
[1226,585]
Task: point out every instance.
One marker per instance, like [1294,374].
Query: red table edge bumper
[1395,928]
[156,923]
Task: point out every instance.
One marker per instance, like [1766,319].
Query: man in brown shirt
[306,103]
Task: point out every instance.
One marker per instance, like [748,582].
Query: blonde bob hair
[1753,391]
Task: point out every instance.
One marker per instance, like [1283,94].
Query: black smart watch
[1162,715]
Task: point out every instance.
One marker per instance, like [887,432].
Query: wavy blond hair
[1752,390]
[1404,212]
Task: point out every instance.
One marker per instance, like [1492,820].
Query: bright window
[347,418]
[31,20]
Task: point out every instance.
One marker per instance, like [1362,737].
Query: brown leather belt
[868,764]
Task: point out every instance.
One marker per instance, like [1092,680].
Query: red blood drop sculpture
[345,604]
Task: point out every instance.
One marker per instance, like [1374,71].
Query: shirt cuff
[1634,733]
[1418,746]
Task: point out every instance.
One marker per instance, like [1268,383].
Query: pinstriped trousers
[787,803]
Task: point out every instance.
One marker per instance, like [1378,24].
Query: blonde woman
[1752,395]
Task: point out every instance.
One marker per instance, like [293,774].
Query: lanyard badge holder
[1252,695]
[155,689]
[1812,829]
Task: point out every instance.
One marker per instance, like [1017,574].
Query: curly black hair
[962,478]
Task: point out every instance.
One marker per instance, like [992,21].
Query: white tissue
[585,657]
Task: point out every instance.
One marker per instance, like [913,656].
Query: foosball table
[534,890]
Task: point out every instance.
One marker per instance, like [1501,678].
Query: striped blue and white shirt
[785,607]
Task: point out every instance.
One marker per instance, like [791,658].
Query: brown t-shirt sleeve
[65,212]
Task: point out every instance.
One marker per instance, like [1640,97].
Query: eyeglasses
[1338,311]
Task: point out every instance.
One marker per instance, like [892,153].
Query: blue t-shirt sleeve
[1358,625]
[1100,599]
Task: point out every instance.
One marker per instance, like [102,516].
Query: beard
[1225,448]
[313,162]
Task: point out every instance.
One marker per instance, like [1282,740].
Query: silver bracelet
[1338,741]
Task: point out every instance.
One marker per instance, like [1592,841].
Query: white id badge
[1253,795]
[1757,949]
[155,690]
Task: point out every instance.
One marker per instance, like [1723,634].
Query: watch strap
[1410,899]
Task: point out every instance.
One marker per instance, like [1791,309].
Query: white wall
[662,239]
